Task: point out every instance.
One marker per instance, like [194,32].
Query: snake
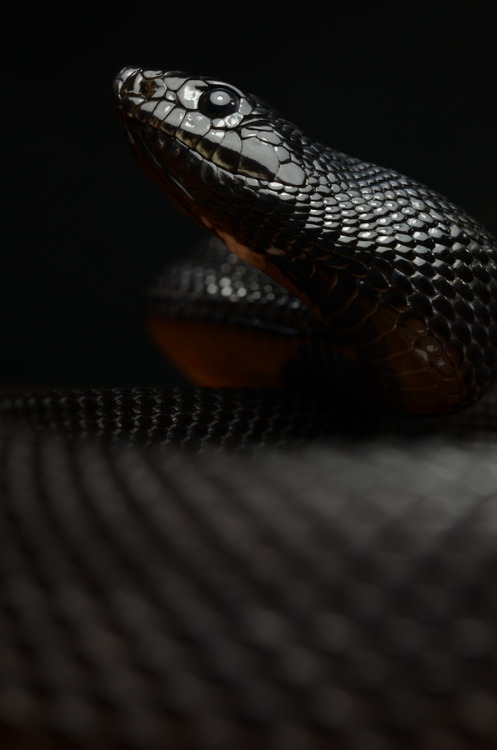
[404,281]
[299,552]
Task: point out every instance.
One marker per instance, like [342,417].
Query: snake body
[170,577]
[404,281]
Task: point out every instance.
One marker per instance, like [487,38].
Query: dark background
[406,86]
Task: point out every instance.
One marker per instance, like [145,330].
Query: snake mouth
[120,80]
[128,96]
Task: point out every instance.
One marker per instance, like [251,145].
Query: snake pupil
[218,102]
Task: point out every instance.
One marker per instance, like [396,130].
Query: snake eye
[218,102]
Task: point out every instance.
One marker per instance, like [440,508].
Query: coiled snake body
[170,579]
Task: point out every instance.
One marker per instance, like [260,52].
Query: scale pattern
[216,597]
[212,284]
[404,280]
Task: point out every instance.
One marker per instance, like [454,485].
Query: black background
[405,85]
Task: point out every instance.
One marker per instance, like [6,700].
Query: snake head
[219,154]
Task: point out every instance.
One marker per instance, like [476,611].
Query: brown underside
[219,355]
[424,376]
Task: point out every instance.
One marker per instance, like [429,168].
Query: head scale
[217,152]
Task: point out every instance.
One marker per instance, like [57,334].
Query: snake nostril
[147,88]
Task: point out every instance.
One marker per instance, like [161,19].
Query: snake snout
[127,83]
